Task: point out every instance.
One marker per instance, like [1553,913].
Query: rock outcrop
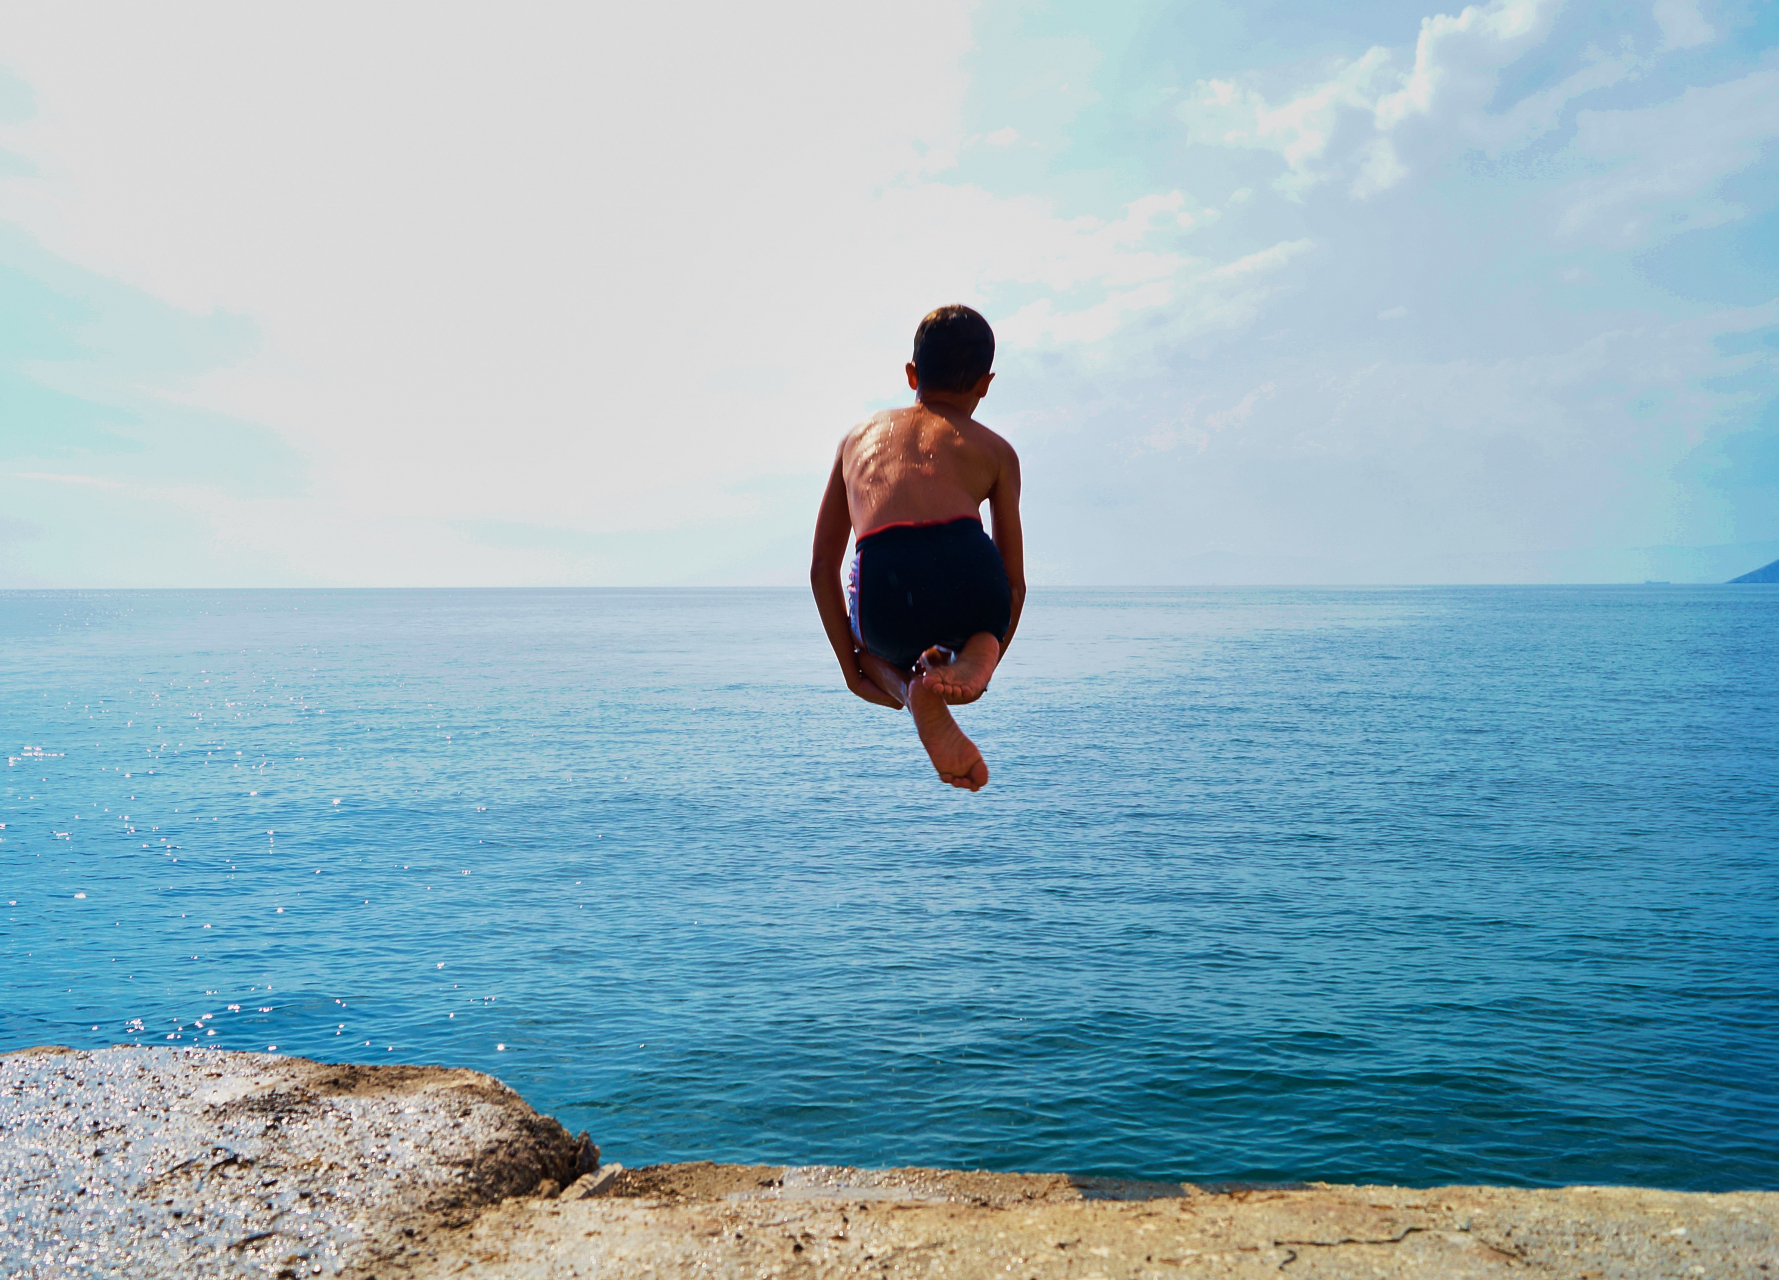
[166,1162]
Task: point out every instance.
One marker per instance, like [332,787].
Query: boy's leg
[962,676]
[953,755]
[886,675]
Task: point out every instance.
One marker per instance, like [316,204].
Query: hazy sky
[445,294]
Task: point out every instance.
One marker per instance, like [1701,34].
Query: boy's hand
[866,688]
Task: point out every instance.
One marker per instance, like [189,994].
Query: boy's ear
[981,387]
[913,378]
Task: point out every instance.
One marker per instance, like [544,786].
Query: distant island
[1767,573]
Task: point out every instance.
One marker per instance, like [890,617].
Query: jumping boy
[931,601]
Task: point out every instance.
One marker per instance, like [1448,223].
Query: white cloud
[1657,169]
[1268,259]
[492,287]
[1442,468]
[524,323]
[1650,170]
[1683,26]
[971,236]
[1460,56]
[1299,130]
[1347,124]
[1537,114]
[498,260]
[1380,168]
[1198,427]
[1194,298]
[51,477]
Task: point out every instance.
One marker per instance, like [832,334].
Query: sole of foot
[962,676]
[954,756]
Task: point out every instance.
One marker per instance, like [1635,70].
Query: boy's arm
[1009,536]
[833,524]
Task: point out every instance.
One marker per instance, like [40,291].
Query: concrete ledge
[755,1220]
[174,1162]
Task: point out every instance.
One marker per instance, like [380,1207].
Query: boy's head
[953,349]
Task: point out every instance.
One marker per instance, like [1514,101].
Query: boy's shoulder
[882,418]
[989,433]
[908,416]
[992,440]
[858,431]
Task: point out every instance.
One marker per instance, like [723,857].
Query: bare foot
[962,676]
[952,754]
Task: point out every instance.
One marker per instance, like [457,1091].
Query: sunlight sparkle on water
[1410,886]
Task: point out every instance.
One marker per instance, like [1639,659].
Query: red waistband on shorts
[913,524]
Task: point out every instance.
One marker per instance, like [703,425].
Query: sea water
[1415,886]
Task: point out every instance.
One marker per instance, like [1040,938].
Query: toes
[973,779]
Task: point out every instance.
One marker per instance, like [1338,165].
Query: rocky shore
[151,1162]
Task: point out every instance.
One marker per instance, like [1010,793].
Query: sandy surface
[152,1162]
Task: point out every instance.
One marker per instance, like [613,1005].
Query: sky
[584,295]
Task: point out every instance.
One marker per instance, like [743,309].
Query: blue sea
[1414,885]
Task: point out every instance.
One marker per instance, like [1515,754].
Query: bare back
[930,463]
[920,464]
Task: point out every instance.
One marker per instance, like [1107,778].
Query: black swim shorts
[913,586]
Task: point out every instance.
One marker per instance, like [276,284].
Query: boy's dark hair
[953,348]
